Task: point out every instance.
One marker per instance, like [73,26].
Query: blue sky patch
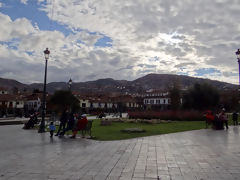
[13,44]
[205,71]
[15,9]
[104,42]
[183,73]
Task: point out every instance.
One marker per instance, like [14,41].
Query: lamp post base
[41,130]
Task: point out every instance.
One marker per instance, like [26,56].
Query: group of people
[74,122]
[218,121]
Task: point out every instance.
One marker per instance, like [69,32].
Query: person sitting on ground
[52,128]
[81,125]
[31,122]
[223,118]
[235,118]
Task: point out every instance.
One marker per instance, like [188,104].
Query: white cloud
[161,36]
[24,1]
[14,29]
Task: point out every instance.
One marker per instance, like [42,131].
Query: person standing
[63,121]
[52,128]
[70,124]
[235,118]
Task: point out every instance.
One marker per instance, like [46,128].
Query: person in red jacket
[209,118]
[80,126]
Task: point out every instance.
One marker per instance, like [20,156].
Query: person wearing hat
[81,125]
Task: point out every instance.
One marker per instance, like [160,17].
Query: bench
[88,128]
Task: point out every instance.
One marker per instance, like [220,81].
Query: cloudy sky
[126,39]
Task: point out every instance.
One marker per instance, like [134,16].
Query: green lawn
[113,132]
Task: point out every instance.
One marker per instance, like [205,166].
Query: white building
[155,99]
[3,91]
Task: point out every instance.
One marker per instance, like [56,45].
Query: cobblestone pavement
[193,155]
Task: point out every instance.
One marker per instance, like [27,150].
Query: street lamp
[70,84]
[42,125]
[238,58]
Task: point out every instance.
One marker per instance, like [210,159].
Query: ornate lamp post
[42,125]
[238,58]
[70,84]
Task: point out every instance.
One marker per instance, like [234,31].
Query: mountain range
[108,85]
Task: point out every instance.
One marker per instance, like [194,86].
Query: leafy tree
[230,99]
[62,100]
[175,96]
[36,91]
[201,96]
[15,90]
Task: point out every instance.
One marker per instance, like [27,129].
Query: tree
[175,97]
[62,100]
[36,91]
[200,97]
[230,99]
[15,90]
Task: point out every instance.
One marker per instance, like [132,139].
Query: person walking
[235,118]
[52,128]
[223,118]
[63,121]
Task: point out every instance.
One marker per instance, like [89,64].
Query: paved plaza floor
[193,155]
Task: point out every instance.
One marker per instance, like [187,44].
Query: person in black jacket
[235,118]
[63,121]
[70,124]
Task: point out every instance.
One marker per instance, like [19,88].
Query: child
[52,128]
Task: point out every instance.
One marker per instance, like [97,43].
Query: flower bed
[168,115]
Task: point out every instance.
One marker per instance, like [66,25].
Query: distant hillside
[108,86]
[162,81]
[10,84]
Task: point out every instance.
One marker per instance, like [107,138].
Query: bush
[168,115]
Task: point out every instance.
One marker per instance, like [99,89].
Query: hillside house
[3,90]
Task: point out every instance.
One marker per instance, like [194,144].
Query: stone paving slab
[193,155]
